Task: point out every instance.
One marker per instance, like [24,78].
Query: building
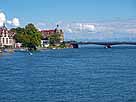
[6,37]
[47,33]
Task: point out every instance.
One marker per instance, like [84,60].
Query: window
[3,41]
[6,40]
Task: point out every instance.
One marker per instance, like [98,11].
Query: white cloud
[14,21]
[80,28]
[101,27]
[124,26]
[87,27]
[69,27]
[98,30]
[69,30]
[2,18]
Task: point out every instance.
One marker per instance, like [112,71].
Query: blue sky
[85,14]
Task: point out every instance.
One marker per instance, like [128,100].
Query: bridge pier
[108,46]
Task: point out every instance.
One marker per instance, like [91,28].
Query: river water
[87,74]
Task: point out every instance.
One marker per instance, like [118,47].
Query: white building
[6,37]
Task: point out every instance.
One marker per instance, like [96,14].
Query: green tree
[53,39]
[29,36]
[20,33]
[34,35]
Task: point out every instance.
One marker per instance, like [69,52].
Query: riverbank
[56,46]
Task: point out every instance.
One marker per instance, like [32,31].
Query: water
[87,74]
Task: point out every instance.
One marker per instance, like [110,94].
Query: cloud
[2,18]
[86,27]
[13,22]
[70,30]
[96,30]
[103,27]
[79,28]
[124,26]
[103,30]
[69,27]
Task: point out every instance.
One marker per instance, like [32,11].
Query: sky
[80,19]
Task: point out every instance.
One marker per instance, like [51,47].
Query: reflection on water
[87,74]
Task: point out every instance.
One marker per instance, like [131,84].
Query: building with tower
[6,37]
[47,33]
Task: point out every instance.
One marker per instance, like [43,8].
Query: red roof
[47,31]
[5,30]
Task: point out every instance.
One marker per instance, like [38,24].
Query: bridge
[106,44]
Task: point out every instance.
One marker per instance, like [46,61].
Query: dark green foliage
[54,39]
[62,45]
[28,36]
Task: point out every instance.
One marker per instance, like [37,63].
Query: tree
[29,36]
[34,35]
[20,33]
[53,39]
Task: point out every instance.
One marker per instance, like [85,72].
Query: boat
[30,53]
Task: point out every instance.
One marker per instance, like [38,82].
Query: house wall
[6,40]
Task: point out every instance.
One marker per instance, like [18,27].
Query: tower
[57,29]
[60,32]
[4,26]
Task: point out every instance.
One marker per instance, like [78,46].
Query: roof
[10,33]
[48,31]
